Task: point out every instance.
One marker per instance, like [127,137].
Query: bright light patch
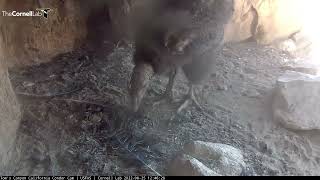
[311,18]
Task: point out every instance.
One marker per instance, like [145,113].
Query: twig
[47,95]
[136,144]
[119,132]
[82,102]
[78,67]
[222,108]
[197,104]
[203,110]
[33,115]
[114,133]
[114,89]
[137,157]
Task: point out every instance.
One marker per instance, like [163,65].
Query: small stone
[263,147]
[96,118]
[28,84]
[250,70]
[39,170]
[241,75]
[251,93]
[222,87]
[303,68]
[160,147]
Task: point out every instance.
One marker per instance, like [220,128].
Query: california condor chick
[184,34]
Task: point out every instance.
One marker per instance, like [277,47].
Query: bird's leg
[189,99]
[169,89]
[168,94]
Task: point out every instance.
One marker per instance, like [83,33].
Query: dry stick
[97,104]
[82,102]
[137,157]
[114,134]
[122,144]
[202,109]
[48,95]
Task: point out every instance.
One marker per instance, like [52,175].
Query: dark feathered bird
[184,34]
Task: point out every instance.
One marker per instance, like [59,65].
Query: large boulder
[223,159]
[208,159]
[296,101]
[305,67]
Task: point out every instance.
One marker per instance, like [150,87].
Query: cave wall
[33,40]
[29,41]
[9,117]
[9,113]
[265,21]
[262,20]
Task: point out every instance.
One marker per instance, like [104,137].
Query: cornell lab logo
[45,12]
[40,12]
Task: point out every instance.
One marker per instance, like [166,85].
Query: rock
[161,148]
[300,44]
[296,102]
[251,93]
[221,83]
[287,45]
[264,148]
[28,84]
[250,70]
[39,170]
[185,165]
[208,159]
[24,169]
[223,159]
[306,68]
[222,87]
[96,118]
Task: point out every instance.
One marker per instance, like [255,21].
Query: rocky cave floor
[76,120]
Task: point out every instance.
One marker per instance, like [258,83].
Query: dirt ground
[76,120]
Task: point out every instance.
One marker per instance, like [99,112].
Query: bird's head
[176,42]
[141,76]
